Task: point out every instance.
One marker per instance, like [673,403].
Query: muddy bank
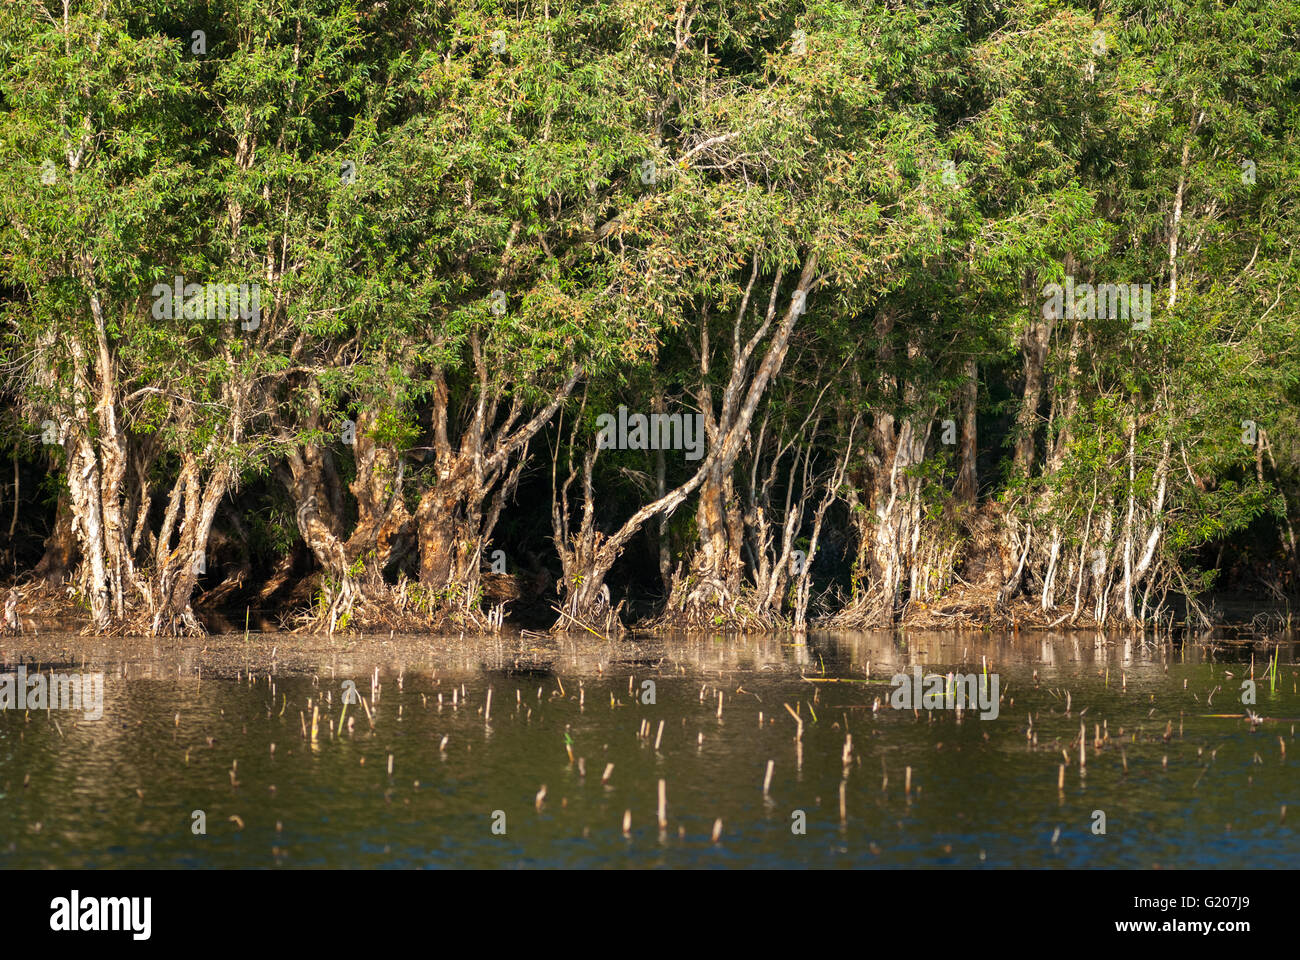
[38,612]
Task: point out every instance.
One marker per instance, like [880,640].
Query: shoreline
[71,621]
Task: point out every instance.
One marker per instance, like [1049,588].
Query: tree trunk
[966,489]
[61,554]
[716,569]
[1034,347]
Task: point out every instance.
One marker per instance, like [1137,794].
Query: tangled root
[707,603]
[404,607]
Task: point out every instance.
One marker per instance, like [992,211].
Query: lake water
[222,725]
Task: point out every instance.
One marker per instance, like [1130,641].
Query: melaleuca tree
[170,181]
[496,184]
[1144,433]
[90,192]
[769,214]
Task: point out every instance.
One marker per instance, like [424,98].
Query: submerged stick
[797,719]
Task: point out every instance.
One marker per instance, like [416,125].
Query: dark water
[121,791]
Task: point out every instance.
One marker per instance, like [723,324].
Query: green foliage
[536,187]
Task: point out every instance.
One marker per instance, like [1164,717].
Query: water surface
[189,725]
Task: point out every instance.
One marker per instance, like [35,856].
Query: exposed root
[602,622]
[27,603]
[868,608]
[706,603]
[62,607]
[357,606]
[893,580]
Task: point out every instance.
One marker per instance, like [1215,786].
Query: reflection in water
[419,772]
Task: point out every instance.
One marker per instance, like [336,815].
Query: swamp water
[222,725]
